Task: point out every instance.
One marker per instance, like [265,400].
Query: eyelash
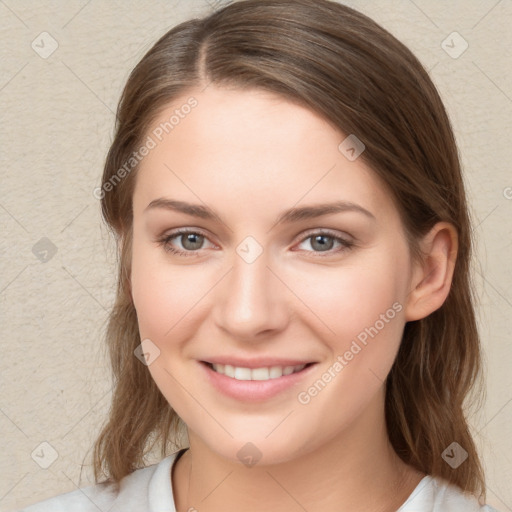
[165,243]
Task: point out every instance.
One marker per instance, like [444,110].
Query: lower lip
[254,390]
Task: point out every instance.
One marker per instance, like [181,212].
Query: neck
[356,470]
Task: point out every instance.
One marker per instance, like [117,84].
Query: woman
[294,287]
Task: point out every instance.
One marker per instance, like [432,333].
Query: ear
[432,277]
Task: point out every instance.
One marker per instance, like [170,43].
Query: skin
[249,155]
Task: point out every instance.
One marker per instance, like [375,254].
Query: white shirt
[149,489]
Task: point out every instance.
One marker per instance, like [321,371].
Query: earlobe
[432,278]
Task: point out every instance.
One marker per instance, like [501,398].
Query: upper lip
[255,362]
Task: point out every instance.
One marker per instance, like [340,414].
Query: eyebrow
[295,214]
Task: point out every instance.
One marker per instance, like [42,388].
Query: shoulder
[437,495]
[133,493]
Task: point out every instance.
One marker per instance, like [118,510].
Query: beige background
[56,125]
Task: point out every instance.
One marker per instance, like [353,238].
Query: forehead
[251,145]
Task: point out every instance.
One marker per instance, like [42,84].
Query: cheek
[162,293]
[351,297]
[154,291]
[360,308]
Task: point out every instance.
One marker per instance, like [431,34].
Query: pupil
[190,238]
[323,245]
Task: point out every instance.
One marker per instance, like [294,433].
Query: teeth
[267,373]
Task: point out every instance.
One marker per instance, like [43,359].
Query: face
[253,287]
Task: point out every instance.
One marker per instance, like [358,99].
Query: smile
[255,384]
[264,373]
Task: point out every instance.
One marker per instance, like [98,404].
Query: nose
[252,301]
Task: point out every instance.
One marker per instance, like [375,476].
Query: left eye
[192,241]
[324,242]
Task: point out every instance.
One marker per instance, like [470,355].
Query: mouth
[256,385]
[264,373]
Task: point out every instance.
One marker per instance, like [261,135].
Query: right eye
[191,242]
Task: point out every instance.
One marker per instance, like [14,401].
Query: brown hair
[340,64]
